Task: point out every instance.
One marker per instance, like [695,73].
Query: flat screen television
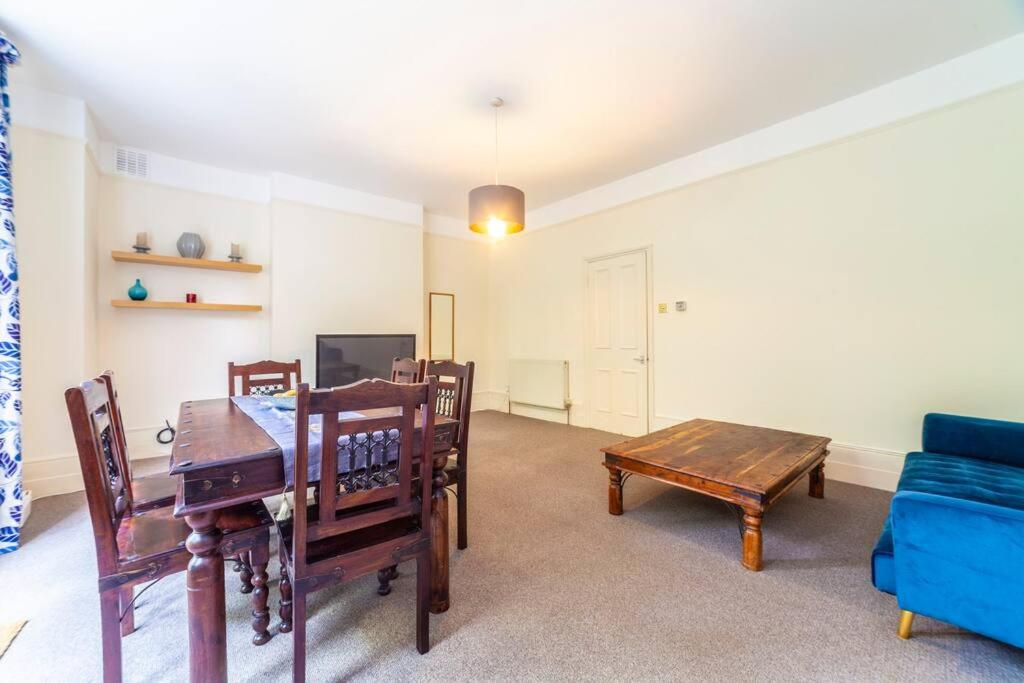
[345,358]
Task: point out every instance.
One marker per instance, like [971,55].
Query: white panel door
[617,343]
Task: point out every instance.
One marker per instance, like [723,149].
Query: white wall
[336,272]
[843,291]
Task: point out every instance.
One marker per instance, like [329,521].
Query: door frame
[648,251]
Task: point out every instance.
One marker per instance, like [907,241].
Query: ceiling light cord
[496,144]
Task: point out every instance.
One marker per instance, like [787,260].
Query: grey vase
[191,245]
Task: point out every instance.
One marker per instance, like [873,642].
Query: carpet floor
[551,588]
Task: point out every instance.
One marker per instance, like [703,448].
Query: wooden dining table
[223,458]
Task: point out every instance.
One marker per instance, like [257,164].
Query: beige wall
[51,176]
[336,272]
[91,225]
[460,267]
[161,357]
[331,272]
[844,291]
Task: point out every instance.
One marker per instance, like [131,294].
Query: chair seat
[158,532]
[346,543]
[153,491]
[954,476]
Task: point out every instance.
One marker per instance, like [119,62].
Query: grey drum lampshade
[503,203]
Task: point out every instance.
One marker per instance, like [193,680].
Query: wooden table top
[750,458]
[216,432]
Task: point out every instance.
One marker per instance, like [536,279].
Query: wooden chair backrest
[264,377]
[454,394]
[117,425]
[99,454]
[407,370]
[382,489]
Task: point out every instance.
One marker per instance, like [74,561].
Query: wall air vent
[133,163]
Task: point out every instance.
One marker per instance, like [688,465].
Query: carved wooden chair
[370,512]
[407,370]
[142,493]
[264,377]
[138,547]
[454,399]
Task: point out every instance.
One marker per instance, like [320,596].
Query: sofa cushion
[954,476]
[982,481]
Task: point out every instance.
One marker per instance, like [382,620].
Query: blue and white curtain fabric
[10,331]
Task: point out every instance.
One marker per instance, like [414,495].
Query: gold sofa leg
[906,621]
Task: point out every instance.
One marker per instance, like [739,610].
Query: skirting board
[863,465]
[59,474]
[489,400]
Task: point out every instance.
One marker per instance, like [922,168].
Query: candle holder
[235,259]
[141,245]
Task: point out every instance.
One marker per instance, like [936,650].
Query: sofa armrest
[961,562]
[974,437]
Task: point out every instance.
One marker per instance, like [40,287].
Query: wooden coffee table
[747,467]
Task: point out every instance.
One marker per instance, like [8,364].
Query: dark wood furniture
[142,493]
[264,377]
[455,399]
[138,547]
[370,516]
[155,490]
[407,370]
[747,467]
[224,458]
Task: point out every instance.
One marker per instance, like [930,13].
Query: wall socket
[680,305]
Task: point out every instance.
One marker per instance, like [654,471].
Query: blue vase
[137,292]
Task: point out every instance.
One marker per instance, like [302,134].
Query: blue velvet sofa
[952,547]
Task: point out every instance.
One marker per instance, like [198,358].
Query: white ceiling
[391,97]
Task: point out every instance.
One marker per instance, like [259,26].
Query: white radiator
[542,383]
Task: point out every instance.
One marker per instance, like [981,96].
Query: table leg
[439,598]
[259,558]
[752,539]
[204,584]
[817,486]
[614,491]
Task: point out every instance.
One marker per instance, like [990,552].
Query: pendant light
[497,210]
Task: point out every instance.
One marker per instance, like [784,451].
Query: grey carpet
[551,588]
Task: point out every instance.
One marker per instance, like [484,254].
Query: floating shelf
[181,305]
[156,259]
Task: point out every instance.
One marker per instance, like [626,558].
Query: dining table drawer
[229,482]
[443,438]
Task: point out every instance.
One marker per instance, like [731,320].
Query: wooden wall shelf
[157,259]
[181,305]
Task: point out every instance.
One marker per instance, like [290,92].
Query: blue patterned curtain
[10,331]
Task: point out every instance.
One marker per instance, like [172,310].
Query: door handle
[641,359]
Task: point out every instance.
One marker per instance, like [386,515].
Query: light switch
[680,305]
[662,308]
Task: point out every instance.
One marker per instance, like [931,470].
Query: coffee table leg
[817,487]
[614,491]
[752,539]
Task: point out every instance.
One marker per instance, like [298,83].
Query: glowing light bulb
[496,227]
